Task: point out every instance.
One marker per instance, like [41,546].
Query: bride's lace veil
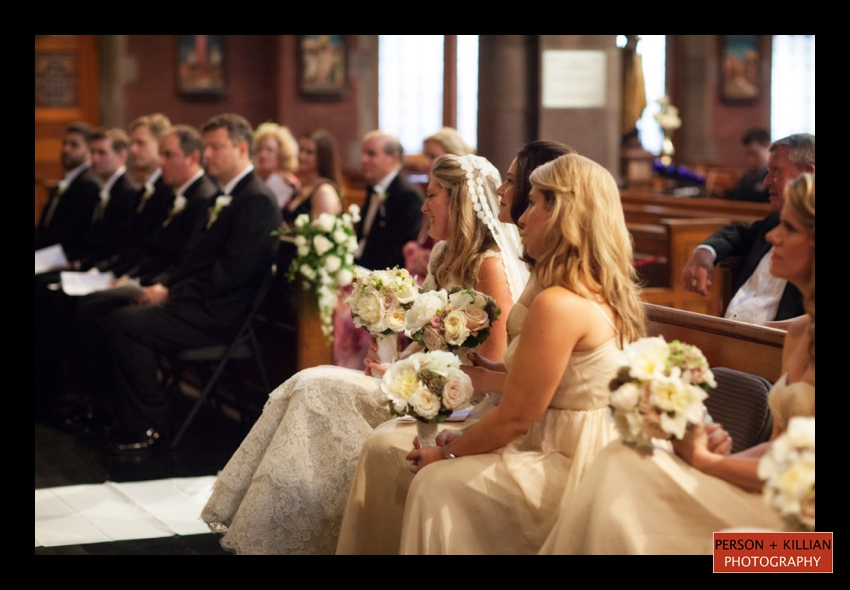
[485,202]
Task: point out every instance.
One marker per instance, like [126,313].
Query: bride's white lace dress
[285,489]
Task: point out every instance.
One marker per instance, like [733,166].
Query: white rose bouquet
[659,388]
[788,469]
[379,302]
[325,257]
[460,319]
[428,386]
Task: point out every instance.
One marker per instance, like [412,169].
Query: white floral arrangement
[380,299]
[428,386]
[660,387]
[325,258]
[788,469]
[451,321]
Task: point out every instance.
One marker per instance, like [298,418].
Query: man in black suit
[68,213]
[156,196]
[207,295]
[755,300]
[392,212]
[119,198]
[180,149]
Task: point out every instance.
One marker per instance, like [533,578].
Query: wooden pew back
[725,343]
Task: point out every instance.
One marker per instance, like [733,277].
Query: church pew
[725,343]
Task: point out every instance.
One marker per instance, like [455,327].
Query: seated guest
[180,149]
[320,176]
[751,187]
[759,298]
[68,213]
[119,197]
[276,160]
[156,196]
[497,488]
[391,213]
[207,294]
[672,501]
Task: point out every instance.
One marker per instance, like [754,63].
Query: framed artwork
[200,65]
[740,68]
[322,66]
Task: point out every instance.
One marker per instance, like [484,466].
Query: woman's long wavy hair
[800,196]
[469,238]
[589,249]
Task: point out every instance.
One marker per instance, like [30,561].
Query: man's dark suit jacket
[72,217]
[749,241]
[215,283]
[110,232]
[396,223]
[168,242]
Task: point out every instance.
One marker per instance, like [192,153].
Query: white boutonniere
[149,189]
[220,203]
[176,208]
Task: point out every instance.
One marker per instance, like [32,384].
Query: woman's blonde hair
[800,196]
[469,237]
[451,141]
[589,249]
[287,155]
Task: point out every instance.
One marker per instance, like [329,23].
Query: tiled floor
[62,459]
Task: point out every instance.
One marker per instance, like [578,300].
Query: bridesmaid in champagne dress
[372,521]
[670,502]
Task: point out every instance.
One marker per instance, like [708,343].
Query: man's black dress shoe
[138,442]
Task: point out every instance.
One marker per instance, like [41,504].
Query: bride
[284,490]
[672,502]
[372,520]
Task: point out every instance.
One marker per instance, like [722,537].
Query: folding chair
[243,346]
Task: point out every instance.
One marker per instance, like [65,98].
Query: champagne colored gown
[507,501]
[641,503]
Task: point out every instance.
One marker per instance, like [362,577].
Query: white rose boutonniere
[221,202]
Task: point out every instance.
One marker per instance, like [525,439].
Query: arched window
[792,88]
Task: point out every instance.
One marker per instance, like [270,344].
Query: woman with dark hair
[372,521]
[320,176]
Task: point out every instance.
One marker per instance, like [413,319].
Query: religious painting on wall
[322,69]
[740,68]
[200,65]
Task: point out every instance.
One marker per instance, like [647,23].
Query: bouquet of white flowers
[379,302]
[460,319]
[325,259]
[659,388]
[788,469]
[428,386]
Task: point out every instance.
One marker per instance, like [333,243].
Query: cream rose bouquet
[428,386]
[452,321]
[325,257]
[379,302]
[788,469]
[660,387]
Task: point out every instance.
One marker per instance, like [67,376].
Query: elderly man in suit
[392,212]
[207,294]
[759,297]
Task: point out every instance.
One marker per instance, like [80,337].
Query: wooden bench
[726,343]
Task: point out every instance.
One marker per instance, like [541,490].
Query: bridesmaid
[676,500]
[496,488]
